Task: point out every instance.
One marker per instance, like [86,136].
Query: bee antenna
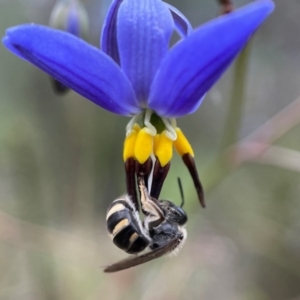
[181,191]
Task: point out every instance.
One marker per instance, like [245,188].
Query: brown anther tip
[130,180]
[202,203]
[159,175]
[144,170]
[189,161]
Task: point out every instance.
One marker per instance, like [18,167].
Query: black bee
[162,229]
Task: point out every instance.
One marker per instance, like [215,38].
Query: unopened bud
[69,16]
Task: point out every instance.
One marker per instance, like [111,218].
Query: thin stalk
[237,100]
[222,165]
[268,133]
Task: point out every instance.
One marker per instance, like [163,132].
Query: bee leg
[155,215]
[143,171]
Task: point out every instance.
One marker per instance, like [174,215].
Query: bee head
[173,212]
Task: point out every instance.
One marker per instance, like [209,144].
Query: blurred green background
[61,166]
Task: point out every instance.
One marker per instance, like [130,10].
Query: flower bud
[69,16]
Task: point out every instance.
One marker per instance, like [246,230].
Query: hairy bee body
[124,226]
[162,228]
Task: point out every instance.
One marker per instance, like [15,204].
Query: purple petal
[76,64]
[109,32]
[144,29]
[196,63]
[182,24]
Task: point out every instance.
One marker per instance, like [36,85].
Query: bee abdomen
[124,229]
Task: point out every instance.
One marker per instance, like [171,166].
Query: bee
[161,230]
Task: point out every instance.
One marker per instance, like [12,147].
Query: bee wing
[141,259]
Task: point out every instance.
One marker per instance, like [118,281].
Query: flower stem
[223,165]
[237,99]
[235,155]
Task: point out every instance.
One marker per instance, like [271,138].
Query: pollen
[182,145]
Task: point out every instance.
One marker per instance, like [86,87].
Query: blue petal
[144,29]
[197,62]
[109,32]
[182,24]
[76,64]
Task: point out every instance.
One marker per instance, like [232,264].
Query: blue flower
[136,74]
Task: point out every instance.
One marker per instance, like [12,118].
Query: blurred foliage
[61,165]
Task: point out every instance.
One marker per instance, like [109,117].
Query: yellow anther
[129,143]
[182,145]
[143,145]
[155,142]
[164,149]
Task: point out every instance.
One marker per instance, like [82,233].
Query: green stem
[221,166]
[237,99]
